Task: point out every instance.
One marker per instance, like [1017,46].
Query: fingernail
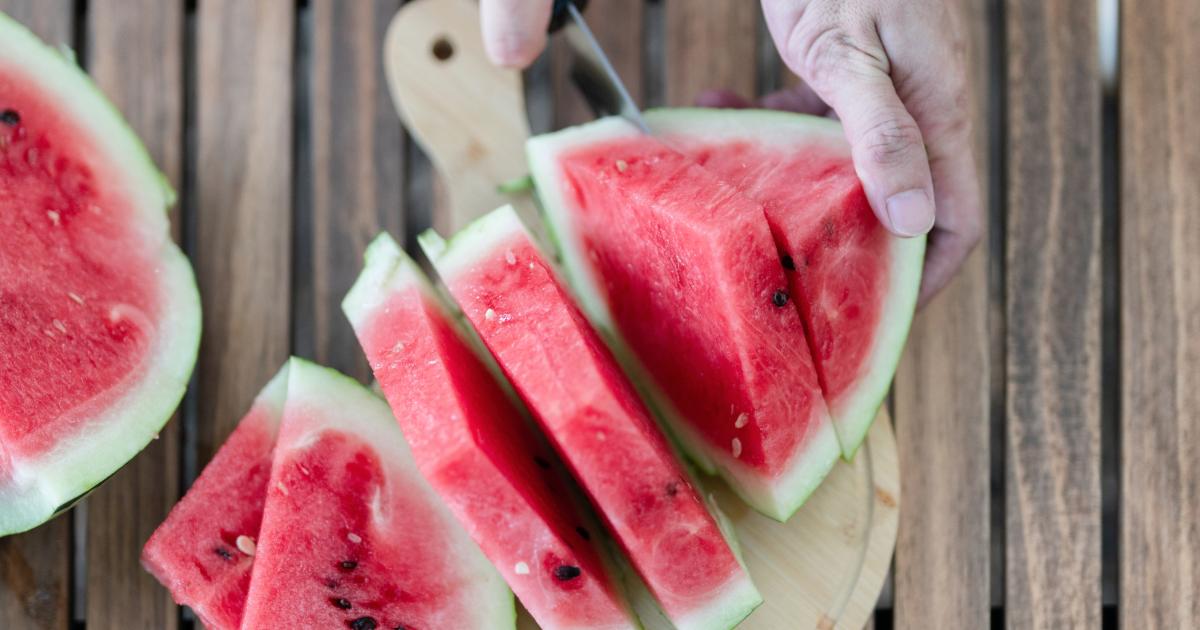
[911,212]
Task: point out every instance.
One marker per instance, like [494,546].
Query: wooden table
[1047,408]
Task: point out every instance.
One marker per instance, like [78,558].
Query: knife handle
[559,15]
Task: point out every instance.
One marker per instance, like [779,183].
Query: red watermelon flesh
[478,451]
[352,536]
[99,316]
[855,284]
[195,552]
[592,415]
[683,269]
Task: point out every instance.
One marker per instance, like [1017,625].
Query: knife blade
[591,70]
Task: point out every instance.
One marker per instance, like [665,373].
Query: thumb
[514,31]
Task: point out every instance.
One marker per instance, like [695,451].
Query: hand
[891,71]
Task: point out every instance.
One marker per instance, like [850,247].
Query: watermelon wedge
[352,536]
[595,420]
[855,283]
[681,270]
[196,553]
[479,452]
[99,313]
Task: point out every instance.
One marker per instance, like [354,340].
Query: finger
[514,31]
[800,99]
[944,255]
[724,99]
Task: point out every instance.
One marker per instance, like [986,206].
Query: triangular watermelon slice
[352,536]
[856,284]
[99,313]
[195,551]
[480,453]
[682,270]
[594,418]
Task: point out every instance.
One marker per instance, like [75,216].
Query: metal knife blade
[594,75]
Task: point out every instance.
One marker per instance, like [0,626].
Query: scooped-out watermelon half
[202,551]
[681,269]
[479,451]
[352,535]
[592,415]
[99,313]
[855,284]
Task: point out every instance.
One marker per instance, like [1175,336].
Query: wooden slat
[618,28]
[1053,317]
[1160,325]
[243,204]
[941,395]
[713,47]
[357,172]
[35,567]
[135,54]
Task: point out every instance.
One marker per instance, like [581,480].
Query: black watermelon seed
[541,462]
[341,602]
[788,263]
[566,572]
[348,565]
[221,551]
[780,298]
[10,117]
[672,488]
[364,623]
[583,532]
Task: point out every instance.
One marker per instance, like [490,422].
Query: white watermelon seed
[282,488]
[510,257]
[742,420]
[521,568]
[354,538]
[245,544]
[622,165]
[75,296]
[54,216]
[62,328]
[737,447]
[489,314]
[95,209]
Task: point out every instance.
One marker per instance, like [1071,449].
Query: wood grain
[1160,325]
[618,28]
[357,173]
[35,567]
[135,55]
[1053,317]
[243,204]
[710,48]
[941,393]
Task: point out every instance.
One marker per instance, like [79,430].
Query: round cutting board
[822,569]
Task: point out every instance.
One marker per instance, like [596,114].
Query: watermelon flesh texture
[592,415]
[352,536]
[195,552]
[856,284]
[478,451]
[682,269]
[99,314]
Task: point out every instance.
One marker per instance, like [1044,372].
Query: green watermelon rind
[853,414]
[365,415]
[778,500]
[57,479]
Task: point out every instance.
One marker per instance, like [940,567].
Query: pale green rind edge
[366,415]
[52,483]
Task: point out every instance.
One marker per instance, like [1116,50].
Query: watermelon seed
[349,565]
[364,623]
[583,532]
[54,217]
[10,117]
[354,538]
[340,602]
[521,568]
[62,328]
[622,165]
[489,314]
[245,544]
[780,298]
[566,572]
[737,447]
[224,553]
[541,462]
[788,263]
[282,488]
[742,420]
[672,488]
[75,296]
[510,257]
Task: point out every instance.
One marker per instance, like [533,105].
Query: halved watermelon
[479,451]
[855,283]
[196,553]
[352,536]
[595,420]
[99,314]
[682,269]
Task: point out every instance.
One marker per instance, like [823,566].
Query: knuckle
[827,52]
[892,140]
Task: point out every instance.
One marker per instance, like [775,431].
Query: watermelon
[352,536]
[681,270]
[566,375]
[855,283]
[195,552]
[479,451]
[99,313]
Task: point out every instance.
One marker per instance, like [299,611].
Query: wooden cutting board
[822,569]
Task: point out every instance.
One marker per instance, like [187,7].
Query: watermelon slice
[593,417]
[352,536]
[99,314]
[682,270]
[195,553]
[478,450]
[855,283]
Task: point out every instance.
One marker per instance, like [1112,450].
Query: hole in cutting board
[442,49]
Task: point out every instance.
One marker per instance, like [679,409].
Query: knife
[591,71]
